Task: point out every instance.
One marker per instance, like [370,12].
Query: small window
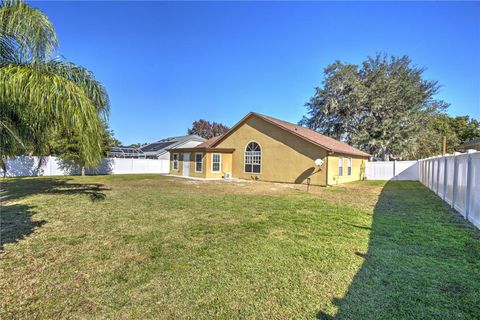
[175,161]
[253,158]
[340,166]
[349,167]
[198,162]
[216,162]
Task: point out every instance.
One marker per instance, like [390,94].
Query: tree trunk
[3,164]
[82,169]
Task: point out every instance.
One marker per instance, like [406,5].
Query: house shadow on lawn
[16,219]
[422,261]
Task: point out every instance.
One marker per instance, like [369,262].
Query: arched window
[253,157]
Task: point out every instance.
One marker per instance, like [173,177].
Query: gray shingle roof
[159,147]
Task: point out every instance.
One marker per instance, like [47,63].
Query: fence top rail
[471,152]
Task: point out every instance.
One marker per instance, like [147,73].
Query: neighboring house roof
[125,152]
[205,147]
[314,137]
[474,143]
[160,147]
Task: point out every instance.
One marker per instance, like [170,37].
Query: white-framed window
[349,167]
[175,161]
[216,162]
[198,162]
[340,166]
[253,157]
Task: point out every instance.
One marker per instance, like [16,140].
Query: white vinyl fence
[392,170]
[455,179]
[52,166]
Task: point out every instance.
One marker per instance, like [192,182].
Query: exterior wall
[177,172]
[358,169]
[226,165]
[285,157]
[192,172]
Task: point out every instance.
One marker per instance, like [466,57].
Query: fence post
[455,178]
[469,182]
[419,170]
[445,172]
[394,169]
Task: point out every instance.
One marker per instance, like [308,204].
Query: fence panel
[140,166]
[456,179]
[460,197]
[379,170]
[429,173]
[474,194]
[406,170]
[441,177]
[433,185]
[159,166]
[392,170]
[450,179]
[51,166]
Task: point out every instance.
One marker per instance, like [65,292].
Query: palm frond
[26,28]
[85,80]
[55,100]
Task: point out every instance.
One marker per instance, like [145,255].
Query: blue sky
[167,64]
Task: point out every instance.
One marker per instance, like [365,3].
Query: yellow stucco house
[260,147]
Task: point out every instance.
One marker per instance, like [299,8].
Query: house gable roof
[314,137]
[210,142]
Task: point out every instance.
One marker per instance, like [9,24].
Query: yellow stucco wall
[226,164]
[358,169]
[285,157]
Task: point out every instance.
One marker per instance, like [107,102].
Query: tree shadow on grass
[18,188]
[16,219]
[423,261]
[16,223]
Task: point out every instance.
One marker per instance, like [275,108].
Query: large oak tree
[382,106]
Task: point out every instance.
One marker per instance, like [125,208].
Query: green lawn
[145,246]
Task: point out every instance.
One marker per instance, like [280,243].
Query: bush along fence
[456,179]
[52,166]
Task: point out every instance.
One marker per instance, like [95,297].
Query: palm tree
[40,93]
